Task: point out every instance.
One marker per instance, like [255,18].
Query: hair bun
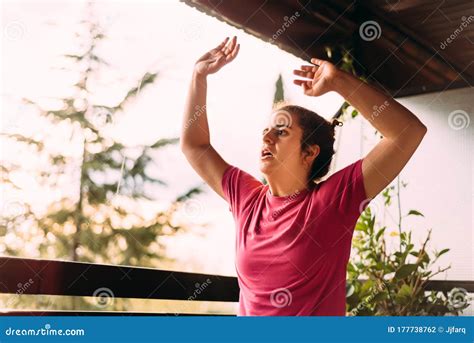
[336,122]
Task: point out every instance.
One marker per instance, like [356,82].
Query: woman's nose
[267,137]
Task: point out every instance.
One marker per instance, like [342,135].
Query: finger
[230,47]
[317,61]
[307,74]
[220,46]
[233,54]
[225,47]
[234,46]
[309,68]
[302,82]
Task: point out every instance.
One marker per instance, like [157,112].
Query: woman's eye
[280,132]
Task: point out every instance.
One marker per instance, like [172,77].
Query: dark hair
[316,130]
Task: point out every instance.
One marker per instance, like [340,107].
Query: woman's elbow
[419,128]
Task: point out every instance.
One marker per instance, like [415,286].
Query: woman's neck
[286,187]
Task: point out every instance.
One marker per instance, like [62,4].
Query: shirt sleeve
[238,188]
[345,192]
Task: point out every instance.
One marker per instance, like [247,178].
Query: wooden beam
[49,277]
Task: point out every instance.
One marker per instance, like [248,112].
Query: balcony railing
[49,277]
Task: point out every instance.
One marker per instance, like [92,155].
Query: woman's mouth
[266,155]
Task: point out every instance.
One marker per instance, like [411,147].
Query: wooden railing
[48,277]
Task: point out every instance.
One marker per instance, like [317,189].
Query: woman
[294,234]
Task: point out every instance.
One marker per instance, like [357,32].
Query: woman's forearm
[195,128]
[385,114]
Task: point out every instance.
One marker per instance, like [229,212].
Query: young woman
[293,235]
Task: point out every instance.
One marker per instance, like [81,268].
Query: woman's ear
[311,153]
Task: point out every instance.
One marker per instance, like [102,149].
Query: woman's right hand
[218,57]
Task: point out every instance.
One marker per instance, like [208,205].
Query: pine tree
[279,91]
[99,224]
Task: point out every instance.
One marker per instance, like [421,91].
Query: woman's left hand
[321,75]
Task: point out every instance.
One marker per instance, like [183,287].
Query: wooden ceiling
[406,47]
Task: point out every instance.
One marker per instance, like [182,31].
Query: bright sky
[166,36]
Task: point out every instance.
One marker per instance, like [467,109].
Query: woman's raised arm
[402,131]
[195,139]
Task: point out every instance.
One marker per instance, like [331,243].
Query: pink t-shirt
[292,251]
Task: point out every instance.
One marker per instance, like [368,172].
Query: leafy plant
[394,280]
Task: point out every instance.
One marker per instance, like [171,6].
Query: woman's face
[281,146]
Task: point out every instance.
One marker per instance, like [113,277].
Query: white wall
[439,176]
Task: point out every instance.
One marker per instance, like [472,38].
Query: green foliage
[279,92]
[394,280]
